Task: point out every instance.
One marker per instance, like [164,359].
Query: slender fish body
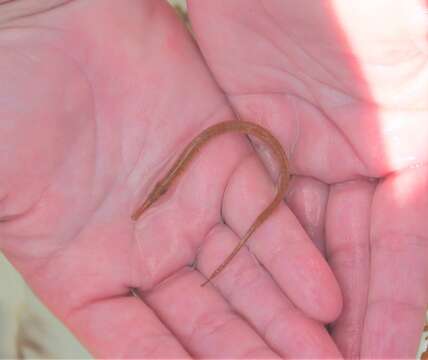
[192,149]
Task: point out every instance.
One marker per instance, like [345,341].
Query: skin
[100,128]
[344,93]
[356,87]
[192,149]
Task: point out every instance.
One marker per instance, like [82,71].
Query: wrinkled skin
[96,99]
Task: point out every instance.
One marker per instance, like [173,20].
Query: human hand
[96,98]
[346,83]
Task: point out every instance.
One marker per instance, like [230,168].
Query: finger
[398,293]
[122,328]
[254,295]
[307,199]
[280,243]
[203,321]
[347,231]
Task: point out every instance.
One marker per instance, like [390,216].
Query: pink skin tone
[96,99]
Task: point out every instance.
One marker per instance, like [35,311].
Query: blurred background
[28,330]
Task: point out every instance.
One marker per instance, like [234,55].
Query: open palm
[97,100]
[348,90]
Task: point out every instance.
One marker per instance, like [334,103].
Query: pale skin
[108,105]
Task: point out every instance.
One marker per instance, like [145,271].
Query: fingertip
[321,297]
[331,303]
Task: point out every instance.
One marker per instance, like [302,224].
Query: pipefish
[192,149]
